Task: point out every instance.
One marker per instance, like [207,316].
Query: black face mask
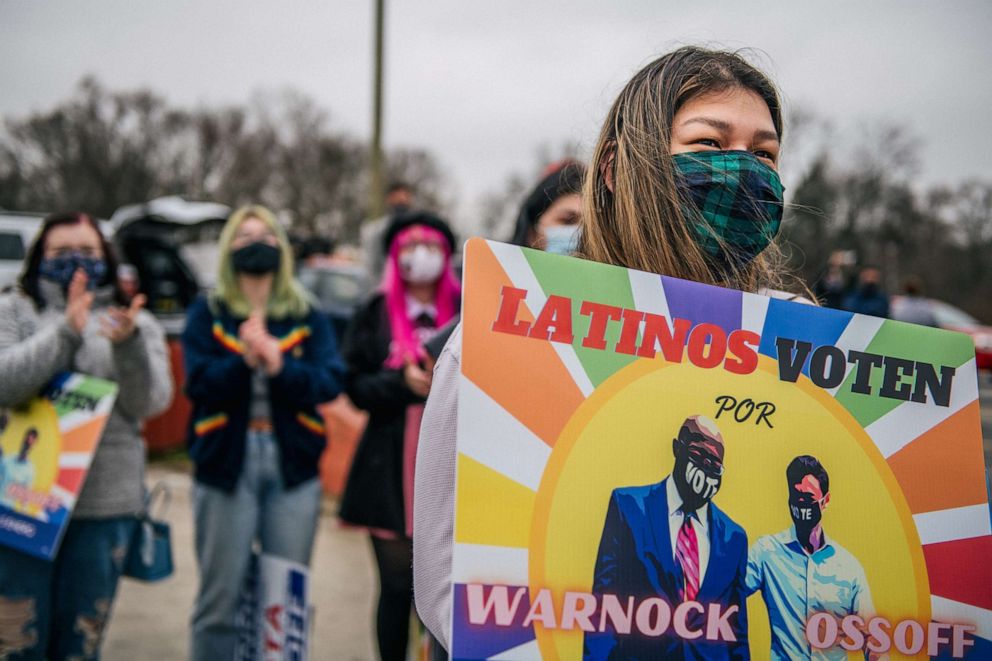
[805,511]
[697,482]
[256,258]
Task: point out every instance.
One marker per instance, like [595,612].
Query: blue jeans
[60,609]
[260,509]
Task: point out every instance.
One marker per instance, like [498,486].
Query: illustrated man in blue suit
[669,540]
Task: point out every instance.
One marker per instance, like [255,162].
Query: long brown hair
[638,221]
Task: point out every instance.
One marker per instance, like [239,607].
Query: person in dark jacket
[387,376]
[835,282]
[868,297]
[259,359]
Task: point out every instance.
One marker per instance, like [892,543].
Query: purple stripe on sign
[703,304]
[500,614]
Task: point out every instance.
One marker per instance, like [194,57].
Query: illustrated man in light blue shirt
[19,471]
[801,571]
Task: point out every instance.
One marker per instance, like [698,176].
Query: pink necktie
[687,552]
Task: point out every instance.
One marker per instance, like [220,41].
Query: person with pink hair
[387,375]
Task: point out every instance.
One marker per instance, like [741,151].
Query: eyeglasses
[67,251]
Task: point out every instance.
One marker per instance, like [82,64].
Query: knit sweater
[37,344]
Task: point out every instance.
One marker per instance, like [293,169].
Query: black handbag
[149,557]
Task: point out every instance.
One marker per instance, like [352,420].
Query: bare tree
[97,151]
[100,149]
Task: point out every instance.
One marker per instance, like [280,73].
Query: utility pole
[376,190]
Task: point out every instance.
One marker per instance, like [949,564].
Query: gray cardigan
[35,345]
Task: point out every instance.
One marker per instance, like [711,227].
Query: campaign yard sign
[274,612]
[46,449]
[652,468]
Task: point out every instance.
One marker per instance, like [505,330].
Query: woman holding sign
[658,198]
[259,360]
[68,315]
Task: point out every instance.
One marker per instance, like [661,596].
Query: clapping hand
[118,324]
[247,333]
[78,302]
[261,348]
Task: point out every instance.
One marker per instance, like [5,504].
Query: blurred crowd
[846,286]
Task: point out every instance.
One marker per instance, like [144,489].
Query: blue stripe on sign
[806,323]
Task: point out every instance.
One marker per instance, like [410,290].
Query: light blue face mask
[561,239]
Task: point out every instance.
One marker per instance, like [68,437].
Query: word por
[652,616]
[743,410]
[907,637]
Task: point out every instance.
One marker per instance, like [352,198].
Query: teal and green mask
[737,203]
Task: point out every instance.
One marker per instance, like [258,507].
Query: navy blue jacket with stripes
[218,383]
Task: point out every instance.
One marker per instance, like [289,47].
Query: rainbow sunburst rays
[545,428]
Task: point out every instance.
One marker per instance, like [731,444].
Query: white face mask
[561,239]
[421,266]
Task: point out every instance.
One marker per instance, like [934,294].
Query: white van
[17,232]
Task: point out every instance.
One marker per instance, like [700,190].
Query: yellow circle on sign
[622,436]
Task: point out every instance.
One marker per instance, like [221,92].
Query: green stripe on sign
[88,388]
[909,341]
[599,283]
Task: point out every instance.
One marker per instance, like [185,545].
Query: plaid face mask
[737,203]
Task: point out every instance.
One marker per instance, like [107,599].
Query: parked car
[172,243]
[155,237]
[339,290]
[953,318]
[17,232]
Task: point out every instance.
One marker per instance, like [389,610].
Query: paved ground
[150,620]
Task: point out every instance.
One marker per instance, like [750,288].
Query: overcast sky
[482,84]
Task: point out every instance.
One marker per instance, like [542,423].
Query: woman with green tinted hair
[259,360]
